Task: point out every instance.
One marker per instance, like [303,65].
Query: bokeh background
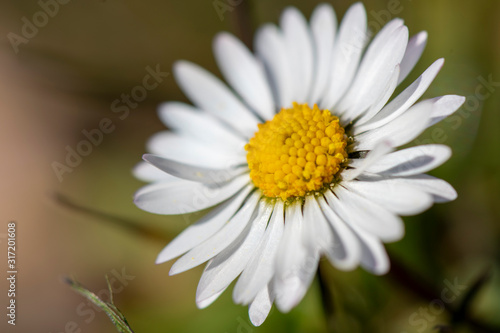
[63,80]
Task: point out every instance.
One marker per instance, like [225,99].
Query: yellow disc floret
[299,151]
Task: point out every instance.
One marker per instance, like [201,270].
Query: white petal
[345,252]
[444,106]
[404,100]
[440,190]
[354,209]
[211,95]
[191,151]
[194,173]
[260,307]
[382,37]
[373,255]
[227,265]
[183,197]
[414,50]
[202,230]
[295,263]
[244,73]
[398,198]
[299,45]
[380,149]
[260,268]
[347,50]
[322,236]
[399,131]
[222,239]
[206,302]
[317,234]
[375,71]
[383,98]
[411,161]
[149,173]
[323,28]
[189,121]
[270,47]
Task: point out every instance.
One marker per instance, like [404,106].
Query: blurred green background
[63,80]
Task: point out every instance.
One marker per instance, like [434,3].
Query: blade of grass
[115,315]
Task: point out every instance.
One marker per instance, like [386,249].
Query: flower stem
[136,228]
[242,22]
[326,299]
[418,286]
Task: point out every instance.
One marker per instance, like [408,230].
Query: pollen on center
[297,152]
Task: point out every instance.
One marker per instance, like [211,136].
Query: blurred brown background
[64,78]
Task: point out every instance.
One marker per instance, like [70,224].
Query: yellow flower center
[297,152]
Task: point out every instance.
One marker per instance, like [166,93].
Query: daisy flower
[297,155]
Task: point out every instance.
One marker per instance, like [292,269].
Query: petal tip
[174,270]
[162,257]
[421,37]
[180,65]
[257,320]
[357,6]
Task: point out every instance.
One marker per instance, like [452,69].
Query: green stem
[242,22]
[326,299]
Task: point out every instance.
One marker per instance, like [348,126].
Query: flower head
[299,159]
[298,152]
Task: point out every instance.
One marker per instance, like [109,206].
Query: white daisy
[296,156]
